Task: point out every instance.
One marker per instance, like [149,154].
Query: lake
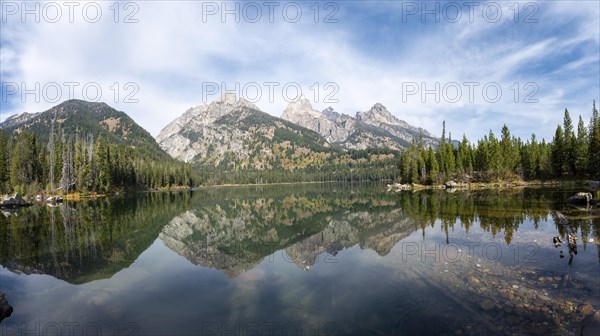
[314,259]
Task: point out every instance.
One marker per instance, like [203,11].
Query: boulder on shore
[5,309]
[54,199]
[451,184]
[14,201]
[581,198]
[594,185]
[398,187]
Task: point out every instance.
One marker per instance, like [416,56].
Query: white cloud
[170,52]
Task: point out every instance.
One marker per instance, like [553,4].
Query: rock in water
[54,199]
[13,201]
[581,198]
[557,241]
[487,304]
[399,187]
[586,309]
[5,309]
[592,325]
[451,184]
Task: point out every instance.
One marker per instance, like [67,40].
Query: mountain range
[233,133]
[375,128]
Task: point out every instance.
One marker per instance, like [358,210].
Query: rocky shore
[451,185]
[495,298]
[15,201]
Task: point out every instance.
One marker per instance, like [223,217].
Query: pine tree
[544,157]
[526,160]
[558,152]
[421,166]
[465,156]
[52,156]
[421,159]
[25,167]
[508,159]
[449,166]
[495,156]
[441,150]
[43,166]
[414,170]
[80,168]
[67,181]
[581,149]
[105,166]
[58,159]
[409,165]
[594,143]
[482,155]
[569,144]
[3,162]
[90,169]
[432,167]
[531,158]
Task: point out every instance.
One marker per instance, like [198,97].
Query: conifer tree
[51,158]
[581,149]
[432,167]
[594,143]
[25,166]
[508,157]
[569,143]
[3,162]
[67,180]
[558,152]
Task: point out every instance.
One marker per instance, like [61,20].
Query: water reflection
[83,241]
[339,259]
[234,234]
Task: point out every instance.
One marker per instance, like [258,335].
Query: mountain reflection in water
[333,258]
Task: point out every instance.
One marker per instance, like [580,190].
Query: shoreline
[278,183]
[576,184]
[391,186]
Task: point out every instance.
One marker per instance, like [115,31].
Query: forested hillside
[84,147]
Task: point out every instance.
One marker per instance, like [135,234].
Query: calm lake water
[335,259]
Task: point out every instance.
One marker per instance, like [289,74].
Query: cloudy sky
[477,66]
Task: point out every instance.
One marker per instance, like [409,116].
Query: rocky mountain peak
[230,100]
[379,114]
[197,117]
[379,108]
[299,108]
[232,130]
[330,113]
[16,119]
